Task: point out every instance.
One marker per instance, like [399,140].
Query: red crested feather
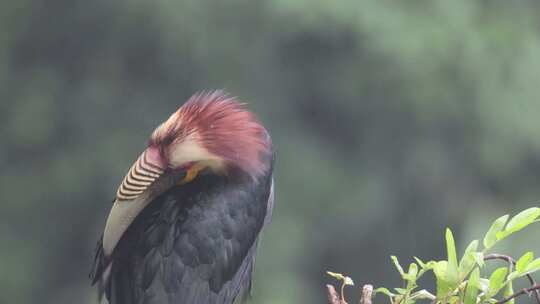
[225,128]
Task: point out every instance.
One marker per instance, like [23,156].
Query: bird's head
[210,131]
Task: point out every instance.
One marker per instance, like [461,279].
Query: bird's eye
[163,154]
[167,140]
[163,142]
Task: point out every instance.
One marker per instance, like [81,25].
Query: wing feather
[192,246]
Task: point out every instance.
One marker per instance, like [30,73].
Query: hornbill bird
[186,219]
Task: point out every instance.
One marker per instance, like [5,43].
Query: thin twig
[512,263]
[526,291]
[367,292]
[507,258]
[333,297]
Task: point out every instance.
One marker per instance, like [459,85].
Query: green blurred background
[391,121]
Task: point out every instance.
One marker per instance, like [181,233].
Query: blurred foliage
[467,281]
[391,120]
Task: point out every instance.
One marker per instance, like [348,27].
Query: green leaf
[398,266]
[523,218]
[466,265]
[523,266]
[411,277]
[513,275]
[524,261]
[533,266]
[472,247]
[423,295]
[496,281]
[336,275]
[425,266]
[413,272]
[479,257]
[401,291]
[472,287]
[452,269]
[508,291]
[443,287]
[384,291]
[491,236]
[519,221]
[422,264]
[468,260]
[439,268]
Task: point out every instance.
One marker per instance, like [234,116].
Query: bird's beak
[144,172]
[129,196]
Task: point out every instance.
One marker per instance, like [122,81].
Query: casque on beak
[144,172]
[133,195]
[148,177]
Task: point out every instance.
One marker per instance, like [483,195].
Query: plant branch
[526,291]
[503,257]
[512,263]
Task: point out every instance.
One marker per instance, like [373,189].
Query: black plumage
[195,243]
[186,219]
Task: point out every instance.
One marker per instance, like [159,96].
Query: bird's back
[195,243]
